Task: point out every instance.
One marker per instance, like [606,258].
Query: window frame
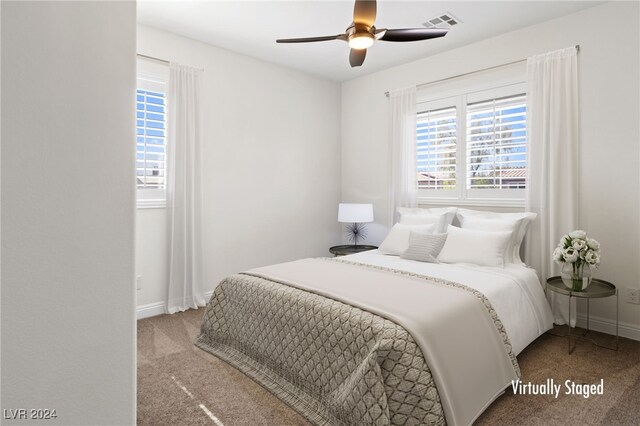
[460,98]
[152,197]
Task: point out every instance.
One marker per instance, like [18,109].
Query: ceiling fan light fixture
[361,41]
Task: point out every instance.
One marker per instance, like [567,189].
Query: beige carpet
[179,384]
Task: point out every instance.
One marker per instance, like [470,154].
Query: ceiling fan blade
[380,33]
[364,12]
[413,34]
[356,57]
[312,39]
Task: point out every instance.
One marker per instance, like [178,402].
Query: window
[150,149]
[437,149]
[151,142]
[496,144]
[472,146]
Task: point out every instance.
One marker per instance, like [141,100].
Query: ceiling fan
[361,33]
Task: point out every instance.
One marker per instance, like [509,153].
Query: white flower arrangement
[576,248]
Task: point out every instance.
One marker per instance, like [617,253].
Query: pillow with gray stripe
[424,247]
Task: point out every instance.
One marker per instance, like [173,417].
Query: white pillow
[397,240]
[477,247]
[443,217]
[511,253]
[473,219]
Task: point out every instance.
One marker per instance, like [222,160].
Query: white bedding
[514,291]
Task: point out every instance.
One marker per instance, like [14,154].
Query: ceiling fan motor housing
[360,36]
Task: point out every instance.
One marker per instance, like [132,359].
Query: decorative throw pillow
[495,221]
[424,247]
[477,247]
[397,240]
[442,217]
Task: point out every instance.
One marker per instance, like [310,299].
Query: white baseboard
[605,325]
[151,310]
[159,308]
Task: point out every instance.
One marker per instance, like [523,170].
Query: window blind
[150,140]
[436,149]
[496,143]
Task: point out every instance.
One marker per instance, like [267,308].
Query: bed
[378,339]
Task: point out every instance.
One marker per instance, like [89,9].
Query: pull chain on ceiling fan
[361,34]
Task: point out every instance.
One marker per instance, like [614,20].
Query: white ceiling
[251,28]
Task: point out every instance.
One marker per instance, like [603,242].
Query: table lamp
[356,215]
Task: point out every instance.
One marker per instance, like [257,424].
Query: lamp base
[356,232]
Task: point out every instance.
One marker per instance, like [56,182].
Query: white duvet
[514,291]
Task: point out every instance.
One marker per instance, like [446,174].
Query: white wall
[68,327]
[609,127]
[272,166]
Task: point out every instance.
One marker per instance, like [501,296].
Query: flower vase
[576,276]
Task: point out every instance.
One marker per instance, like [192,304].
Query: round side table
[350,249]
[597,289]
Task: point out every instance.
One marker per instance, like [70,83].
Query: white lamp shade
[355,213]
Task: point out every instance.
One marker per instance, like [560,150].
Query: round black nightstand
[597,289]
[350,249]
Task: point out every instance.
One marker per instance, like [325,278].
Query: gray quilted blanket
[333,362]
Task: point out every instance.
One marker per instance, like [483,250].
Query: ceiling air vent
[444,20]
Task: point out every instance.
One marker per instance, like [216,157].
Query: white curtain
[184,189]
[552,180]
[404,179]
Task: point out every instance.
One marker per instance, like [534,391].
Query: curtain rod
[577,46]
[153,58]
